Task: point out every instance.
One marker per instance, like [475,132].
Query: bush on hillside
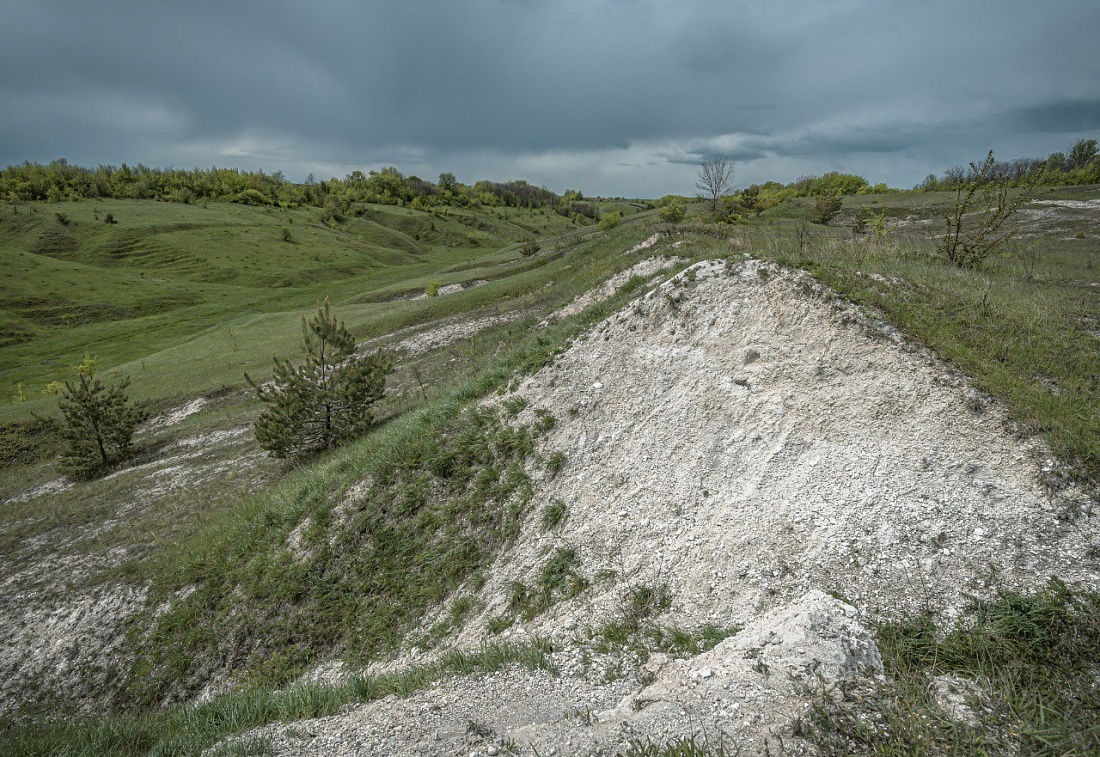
[674,211]
[327,399]
[610,221]
[827,205]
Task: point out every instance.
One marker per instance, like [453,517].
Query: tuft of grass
[685,746]
[1034,657]
[553,515]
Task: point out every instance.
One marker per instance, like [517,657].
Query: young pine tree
[98,425]
[324,401]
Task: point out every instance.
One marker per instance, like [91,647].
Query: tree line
[1080,165]
[60,180]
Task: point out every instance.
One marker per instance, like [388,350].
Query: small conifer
[324,401]
[98,424]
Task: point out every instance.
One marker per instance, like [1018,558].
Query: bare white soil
[745,439]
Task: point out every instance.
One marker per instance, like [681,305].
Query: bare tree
[714,179]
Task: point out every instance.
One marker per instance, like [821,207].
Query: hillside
[644,486]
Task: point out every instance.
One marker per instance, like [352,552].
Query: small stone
[597,385]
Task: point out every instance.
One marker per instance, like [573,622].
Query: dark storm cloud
[616,97]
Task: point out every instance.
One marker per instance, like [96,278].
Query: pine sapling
[99,424]
[325,400]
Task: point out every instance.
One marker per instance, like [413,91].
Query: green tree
[98,425]
[1082,153]
[324,401]
[827,205]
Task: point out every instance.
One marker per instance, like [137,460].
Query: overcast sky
[615,97]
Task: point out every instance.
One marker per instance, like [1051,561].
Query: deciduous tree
[714,179]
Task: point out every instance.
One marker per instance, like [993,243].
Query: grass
[449,488]
[188,729]
[436,513]
[1032,660]
[164,284]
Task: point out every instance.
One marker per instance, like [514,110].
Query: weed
[581,716]
[644,601]
[544,420]
[555,462]
[499,624]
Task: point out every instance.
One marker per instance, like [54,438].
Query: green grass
[1032,660]
[1016,331]
[188,729]
[164,287]
[449,489]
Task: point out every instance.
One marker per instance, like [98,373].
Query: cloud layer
[615,97]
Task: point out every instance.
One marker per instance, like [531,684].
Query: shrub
[968,242]
[287,237]
[98,425]
[674,211]
[109,219]
[827,205]
[325,400]
[251,197]
[432,290]
[530,248]
[61,218]
[610,221]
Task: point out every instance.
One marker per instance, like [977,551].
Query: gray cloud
[626,94]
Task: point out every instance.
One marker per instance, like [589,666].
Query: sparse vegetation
[1031,661]
[190,728]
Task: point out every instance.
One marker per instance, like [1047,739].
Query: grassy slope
[171,283]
